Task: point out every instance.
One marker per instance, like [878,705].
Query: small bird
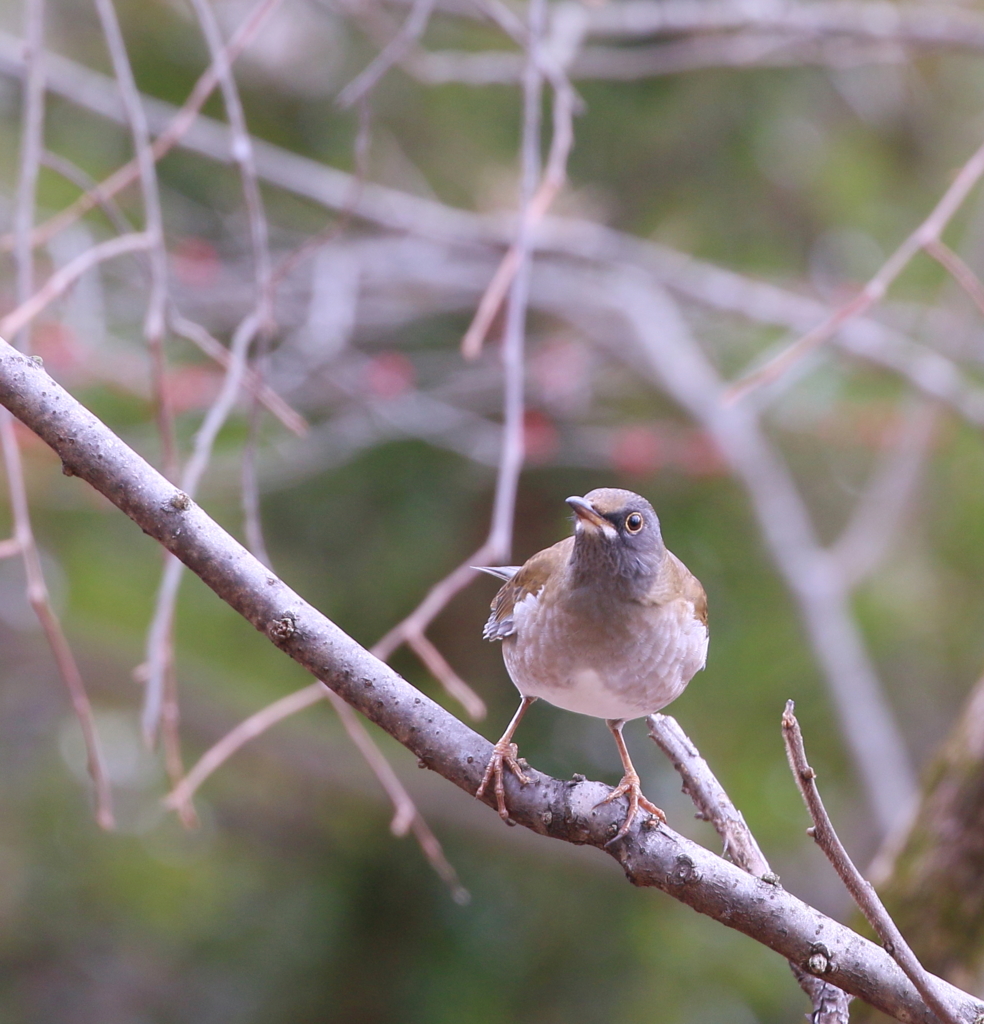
[606,623]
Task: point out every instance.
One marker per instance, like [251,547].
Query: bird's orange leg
[505,753]
[629,786]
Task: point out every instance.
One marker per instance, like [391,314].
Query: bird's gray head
[616,538]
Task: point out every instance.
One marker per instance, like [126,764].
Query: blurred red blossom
[195,262]
[389,375]
[642,450]
[540,437]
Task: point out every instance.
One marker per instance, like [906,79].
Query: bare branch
[874,291]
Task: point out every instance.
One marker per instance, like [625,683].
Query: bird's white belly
[587,693]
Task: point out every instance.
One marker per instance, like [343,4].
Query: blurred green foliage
[292,902]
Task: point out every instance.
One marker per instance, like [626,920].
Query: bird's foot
[630,788]
[503,754]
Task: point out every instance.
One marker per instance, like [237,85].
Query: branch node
[179,502]
[684,871]
[282,629]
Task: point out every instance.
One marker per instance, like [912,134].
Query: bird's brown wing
[526,584]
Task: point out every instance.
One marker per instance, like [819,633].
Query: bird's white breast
[631,665]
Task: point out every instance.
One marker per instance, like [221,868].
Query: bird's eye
[634,522]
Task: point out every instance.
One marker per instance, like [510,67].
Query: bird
[606,623]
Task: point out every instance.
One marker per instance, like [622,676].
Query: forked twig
[831,1005]
[252,382]
[861,890]
[958,270]
[406,818]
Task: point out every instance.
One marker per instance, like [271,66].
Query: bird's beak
[587,515]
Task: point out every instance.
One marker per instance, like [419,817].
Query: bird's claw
[502,754]
[630,787]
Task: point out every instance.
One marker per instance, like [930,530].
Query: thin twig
[154,323]
[37,595]
[171,738]
[861,890]
[259,236]
[927,232]
[712,802]
[32,145]
[215,350]
[31,148]
[66,276]
[554,177]
[958,270]
[394,51]
[407,817]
